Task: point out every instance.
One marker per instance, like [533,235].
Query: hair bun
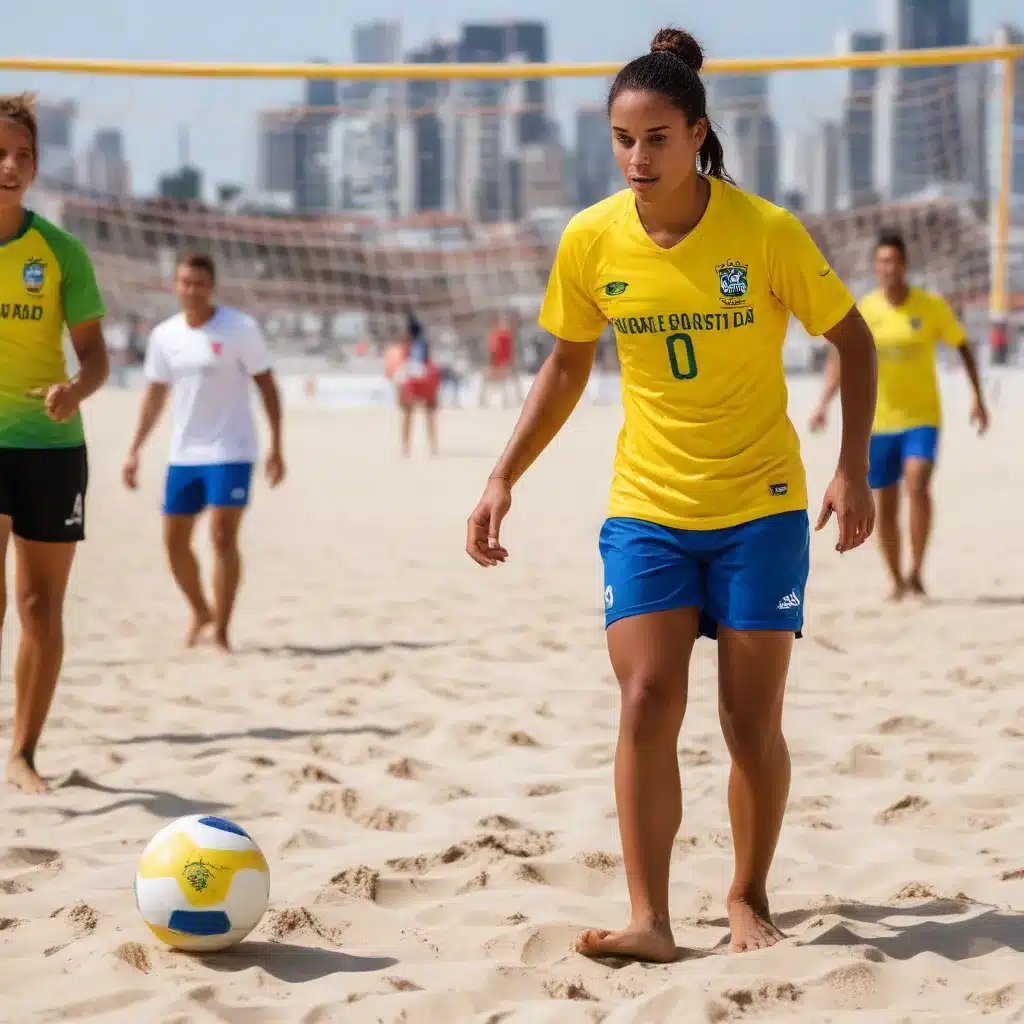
[680,44]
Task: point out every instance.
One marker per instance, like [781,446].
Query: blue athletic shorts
[190,489]
[750,576]
[888,453]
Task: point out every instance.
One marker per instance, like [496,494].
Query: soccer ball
[202,884]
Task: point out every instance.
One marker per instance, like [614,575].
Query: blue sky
[219,115]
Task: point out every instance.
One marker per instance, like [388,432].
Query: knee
[918,487]
[40,613]
[752,735]
[652,705]
[224,539]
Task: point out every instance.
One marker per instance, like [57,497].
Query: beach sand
[424,751]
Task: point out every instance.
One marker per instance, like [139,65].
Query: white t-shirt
[210,370]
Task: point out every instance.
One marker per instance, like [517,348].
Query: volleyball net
[336,201]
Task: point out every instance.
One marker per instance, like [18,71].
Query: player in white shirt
[206,356]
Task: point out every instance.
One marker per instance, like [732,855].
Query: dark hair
[199,261]
[672,69]
[21,110]
[892,240]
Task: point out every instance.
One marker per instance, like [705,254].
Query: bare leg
[41,580]
[431,414]
[887,501]
[406,429]
[227,568]
[650,655]
[752,669]
[917,475]
[185,569]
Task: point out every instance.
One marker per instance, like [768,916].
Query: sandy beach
[423,750]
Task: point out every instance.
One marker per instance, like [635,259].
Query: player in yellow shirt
[707,529]
[907,324]
[46,281]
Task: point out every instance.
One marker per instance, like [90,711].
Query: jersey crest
[732,282]
[34,276]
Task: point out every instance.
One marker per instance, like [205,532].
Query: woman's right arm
[555,393]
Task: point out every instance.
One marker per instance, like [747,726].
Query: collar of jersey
[26,223]
[638,230]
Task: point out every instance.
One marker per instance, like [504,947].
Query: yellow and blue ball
[203,884]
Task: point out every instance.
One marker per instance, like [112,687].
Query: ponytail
[711,158]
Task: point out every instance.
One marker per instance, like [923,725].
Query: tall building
[488,172]
[924,140]
[371,125]
[597,175]
[313,164]
[56,121]
[857,123]
[106,169]
[427,146]
[276,153]
[739,105]
[816,168]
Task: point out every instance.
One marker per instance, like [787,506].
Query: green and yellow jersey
[46,281]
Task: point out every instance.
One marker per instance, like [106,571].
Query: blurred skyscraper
[56,141]
[740,106]
[106,170]
[929,136]
[856,185]
[597,176]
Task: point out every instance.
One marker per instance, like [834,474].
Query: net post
[1000,305]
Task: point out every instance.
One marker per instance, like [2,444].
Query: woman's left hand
[850,497]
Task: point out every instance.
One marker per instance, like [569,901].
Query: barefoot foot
[751,927]
[21,772]
[220,638]
[915,586]
[898,591]
[636,942]
[200,620]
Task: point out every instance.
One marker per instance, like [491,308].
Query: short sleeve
[568,312]
[254,349]
[802,279]
[155,367]
[948,328]
[79,292]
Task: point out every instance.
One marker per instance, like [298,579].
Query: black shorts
[43,491]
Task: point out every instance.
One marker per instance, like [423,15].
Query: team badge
[732,282]
[615,287]
[217,347]
[915,323]
[34,276]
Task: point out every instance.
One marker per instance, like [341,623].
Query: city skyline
[219,115]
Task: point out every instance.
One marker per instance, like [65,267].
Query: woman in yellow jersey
[46,281]
[907,323]
[707,529]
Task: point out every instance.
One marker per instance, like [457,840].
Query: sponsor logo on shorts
[778,490]
[238,494]
[77,516]
[789,602]
[609,596]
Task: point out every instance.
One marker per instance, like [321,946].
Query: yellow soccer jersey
[905,338]
[46,280]
[706,441]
